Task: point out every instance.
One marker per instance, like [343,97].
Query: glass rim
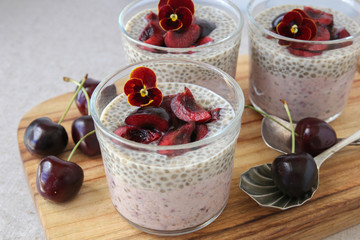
[355,37]
[205,141]
[169,49]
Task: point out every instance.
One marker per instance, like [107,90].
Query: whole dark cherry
[45,137]
[294,174]
[80,100]
[314,136]
[58,180]
[80,127]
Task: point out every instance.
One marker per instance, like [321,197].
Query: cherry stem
[291,124]
[72,100]
[269,116]
[66,79]
[78,143]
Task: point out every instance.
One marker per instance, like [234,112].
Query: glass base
[330,119]
[175,232]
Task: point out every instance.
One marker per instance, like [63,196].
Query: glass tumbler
[222,53]
[176,189]
[314,77]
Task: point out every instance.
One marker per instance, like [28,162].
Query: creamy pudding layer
[189,204]
[315,86]
[169,193]
[223,56]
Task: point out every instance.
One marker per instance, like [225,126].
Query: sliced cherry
[44,137]
[339,33]
[182,135]
[294,174]
[206,27]
[137,134]
[153,34]
[149,118]
[185,108]
[166,104]
[320,16]
[314,136]
[182,39]
[322,34]
[80,127]
[203,41]
[58,180]
[215,114]
[146,33]
[201,130]
[303,53]
[151,16]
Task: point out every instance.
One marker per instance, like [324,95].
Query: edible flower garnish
[297,24]
[141,88]
[175,14]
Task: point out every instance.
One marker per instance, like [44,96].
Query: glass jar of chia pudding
[314,76]
[221,52]
[170,194]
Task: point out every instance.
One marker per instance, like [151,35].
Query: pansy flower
[141,88]
[175,14]
[297,24]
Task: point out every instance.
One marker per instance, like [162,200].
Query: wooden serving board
[91,215]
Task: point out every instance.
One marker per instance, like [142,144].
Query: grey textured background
[40,42]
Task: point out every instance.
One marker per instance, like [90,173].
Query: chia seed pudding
[316,86]
[161,193]
[222,52]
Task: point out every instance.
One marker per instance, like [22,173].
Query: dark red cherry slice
[147,32]
[80,127]
[303,53]
[203,41]
[185,108]
[151,16]
[45,137]
[206,27]
[294,174]
[182,39]
[201,130]
[137,134]
[339,33]
[149,118]
[58,180]
[215,114]
[166,104]
[182,135]
[153,34]
[314,136]
[319,16]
